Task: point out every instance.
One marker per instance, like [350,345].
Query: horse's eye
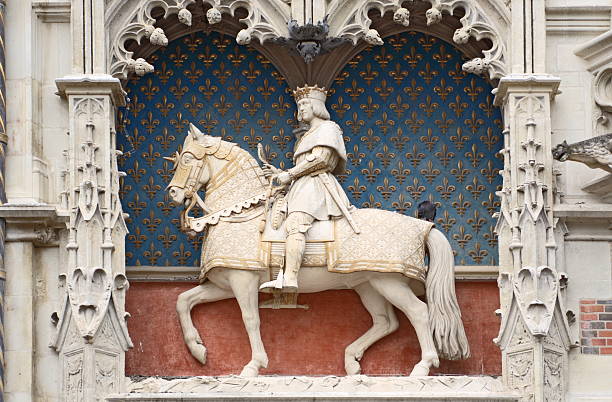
[186,158]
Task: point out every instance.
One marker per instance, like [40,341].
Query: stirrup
[272,286]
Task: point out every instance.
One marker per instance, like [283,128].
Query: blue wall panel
[416,127]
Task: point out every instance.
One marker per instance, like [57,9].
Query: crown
[311,92]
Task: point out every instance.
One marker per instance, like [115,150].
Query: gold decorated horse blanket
[388,242]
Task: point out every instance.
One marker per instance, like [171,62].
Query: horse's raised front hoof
[421,369]
[250,370]
[198,351]
[352,366]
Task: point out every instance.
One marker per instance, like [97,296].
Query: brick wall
[596,326]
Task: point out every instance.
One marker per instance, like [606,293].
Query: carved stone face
[305,110]
[561,151]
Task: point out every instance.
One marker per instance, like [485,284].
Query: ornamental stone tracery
[267,20]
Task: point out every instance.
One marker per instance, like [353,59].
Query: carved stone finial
[462,35]
[158,37]
[243,37]
[184,17]
[213,16]
[139,66]
[476,66]
[373,37]
[433,15]
[402,16]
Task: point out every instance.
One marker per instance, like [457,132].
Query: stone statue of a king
[314,193]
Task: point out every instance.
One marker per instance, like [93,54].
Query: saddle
[318,238]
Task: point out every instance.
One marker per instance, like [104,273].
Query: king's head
[311,98]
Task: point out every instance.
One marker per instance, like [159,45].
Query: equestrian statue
[295,231]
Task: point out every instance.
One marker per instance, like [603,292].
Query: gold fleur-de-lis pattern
[416,128]
[226,90]
[419,128]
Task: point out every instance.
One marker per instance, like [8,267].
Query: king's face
[305,110]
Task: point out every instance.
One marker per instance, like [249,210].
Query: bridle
[184,179]
[188,176]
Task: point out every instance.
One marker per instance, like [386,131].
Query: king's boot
[294,252]
[286,279]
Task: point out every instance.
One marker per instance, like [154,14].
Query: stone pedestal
[328,388]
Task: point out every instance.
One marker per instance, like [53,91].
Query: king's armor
[314,193]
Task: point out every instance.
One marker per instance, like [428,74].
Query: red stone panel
[299,342]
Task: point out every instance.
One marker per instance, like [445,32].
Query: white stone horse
[235,192]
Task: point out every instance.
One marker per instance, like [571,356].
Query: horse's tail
[444,314]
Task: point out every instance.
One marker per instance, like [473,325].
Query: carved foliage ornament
[141,25]
[267,20]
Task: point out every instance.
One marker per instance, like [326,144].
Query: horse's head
[191,168]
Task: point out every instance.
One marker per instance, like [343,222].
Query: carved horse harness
[183,178]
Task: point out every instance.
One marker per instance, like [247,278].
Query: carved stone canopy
[148,25]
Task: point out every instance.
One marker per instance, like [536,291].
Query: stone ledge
[329,388]
[586,211]
[145,273]
[319,397]
[601,186]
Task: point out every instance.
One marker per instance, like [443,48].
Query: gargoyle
[595,152]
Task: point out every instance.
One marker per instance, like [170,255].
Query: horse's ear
[195,133]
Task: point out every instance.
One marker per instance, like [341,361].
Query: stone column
[92,335]
[91,329]
[534,335]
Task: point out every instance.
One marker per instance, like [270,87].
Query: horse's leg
[398,293]
[245,286]
[207,292]
[384,322]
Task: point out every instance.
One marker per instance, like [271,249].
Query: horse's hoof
[352,366]
[199,352]
[421,369]
[250,370]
